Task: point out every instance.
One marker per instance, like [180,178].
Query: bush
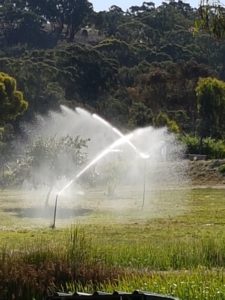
[162,119]
[222,169]
[214,149]
[192,143]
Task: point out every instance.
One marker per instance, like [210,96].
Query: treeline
[145,66]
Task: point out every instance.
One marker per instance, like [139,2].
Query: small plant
[222,169]
[214,149]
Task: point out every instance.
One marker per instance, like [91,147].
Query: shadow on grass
[47,212]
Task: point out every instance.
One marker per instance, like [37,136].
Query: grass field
[175,245]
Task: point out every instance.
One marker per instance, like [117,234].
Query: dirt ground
[207,172]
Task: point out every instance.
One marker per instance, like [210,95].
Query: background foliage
[145,66]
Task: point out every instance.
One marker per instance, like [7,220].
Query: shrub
[192,143]
[222,169]
[214,149]
[162,119]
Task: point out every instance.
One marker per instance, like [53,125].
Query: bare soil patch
[207,173]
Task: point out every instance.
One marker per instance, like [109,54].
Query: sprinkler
[106,151]
[55,211]
[144,185]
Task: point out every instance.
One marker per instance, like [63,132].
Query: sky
[125,4]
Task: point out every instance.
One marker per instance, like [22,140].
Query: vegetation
[211,106]
[145,66]
[222,169]
[212,18]
[179,255]
[12,105]
[211,147]
[12,102]
[43,161]
[139,67]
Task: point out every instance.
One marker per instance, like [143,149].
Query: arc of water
[83,111]
[101,120]
[120,134]
[109,149]
[66,109]
[114,129]
[139,153]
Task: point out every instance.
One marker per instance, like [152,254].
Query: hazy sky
[125,4]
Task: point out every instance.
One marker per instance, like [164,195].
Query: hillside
[136,68]
[144,67]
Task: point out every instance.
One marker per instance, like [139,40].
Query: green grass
[180,254]
[198,284]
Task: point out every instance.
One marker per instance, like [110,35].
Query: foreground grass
[80,264]
[181,255]
[201,284]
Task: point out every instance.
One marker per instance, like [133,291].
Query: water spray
[101,120]
[112,148]
[139,153]
[120,134]
[82,111]
[109,149]
[122,139]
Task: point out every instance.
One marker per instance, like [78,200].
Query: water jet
[143,163]
[106,151]
[120,134]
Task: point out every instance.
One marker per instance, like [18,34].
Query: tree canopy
[211,106]
[137,67]
[12,102]
[211,18]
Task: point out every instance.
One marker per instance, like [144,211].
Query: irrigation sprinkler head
[55,211]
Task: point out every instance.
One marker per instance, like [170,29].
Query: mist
[97,170]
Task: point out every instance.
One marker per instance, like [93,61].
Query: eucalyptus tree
[73,13]
[20,25]
[211,18]
[40,23]
[12,105]
[211,107]
[108,21]
[12,102]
